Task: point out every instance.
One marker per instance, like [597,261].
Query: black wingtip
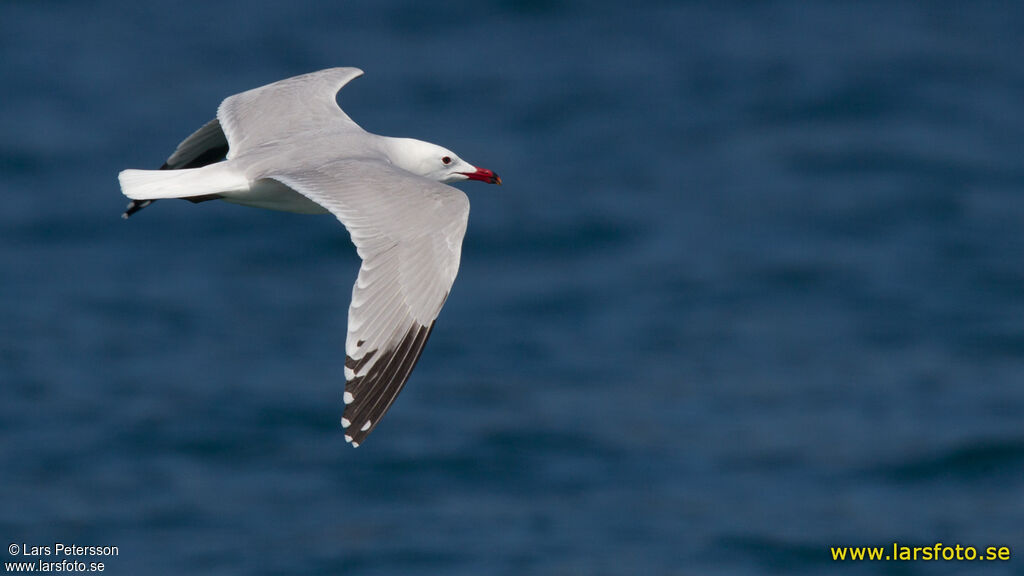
[368,397]
[134,206]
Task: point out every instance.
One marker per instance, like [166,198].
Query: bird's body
[288,146]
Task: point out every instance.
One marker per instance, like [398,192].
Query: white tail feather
[154,184]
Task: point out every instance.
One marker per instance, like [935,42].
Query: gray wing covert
[290,106]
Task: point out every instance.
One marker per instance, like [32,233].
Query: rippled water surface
[754,287]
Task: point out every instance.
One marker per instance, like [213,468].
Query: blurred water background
[754,287]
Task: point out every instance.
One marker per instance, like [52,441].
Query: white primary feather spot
[349,398]
[365,426]
[349,373]
[345,423]
[355,444]
[348,438]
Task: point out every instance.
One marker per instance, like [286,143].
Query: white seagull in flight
[288,146]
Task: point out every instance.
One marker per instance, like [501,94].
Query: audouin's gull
[288,146]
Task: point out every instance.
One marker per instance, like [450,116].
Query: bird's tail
[145,186]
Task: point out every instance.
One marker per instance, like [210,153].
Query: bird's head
[436,162]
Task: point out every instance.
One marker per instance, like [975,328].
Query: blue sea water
[753,288]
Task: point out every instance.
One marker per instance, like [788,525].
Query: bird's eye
[446,160]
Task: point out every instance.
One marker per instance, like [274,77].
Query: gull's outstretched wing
[408,231]
[292,106]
